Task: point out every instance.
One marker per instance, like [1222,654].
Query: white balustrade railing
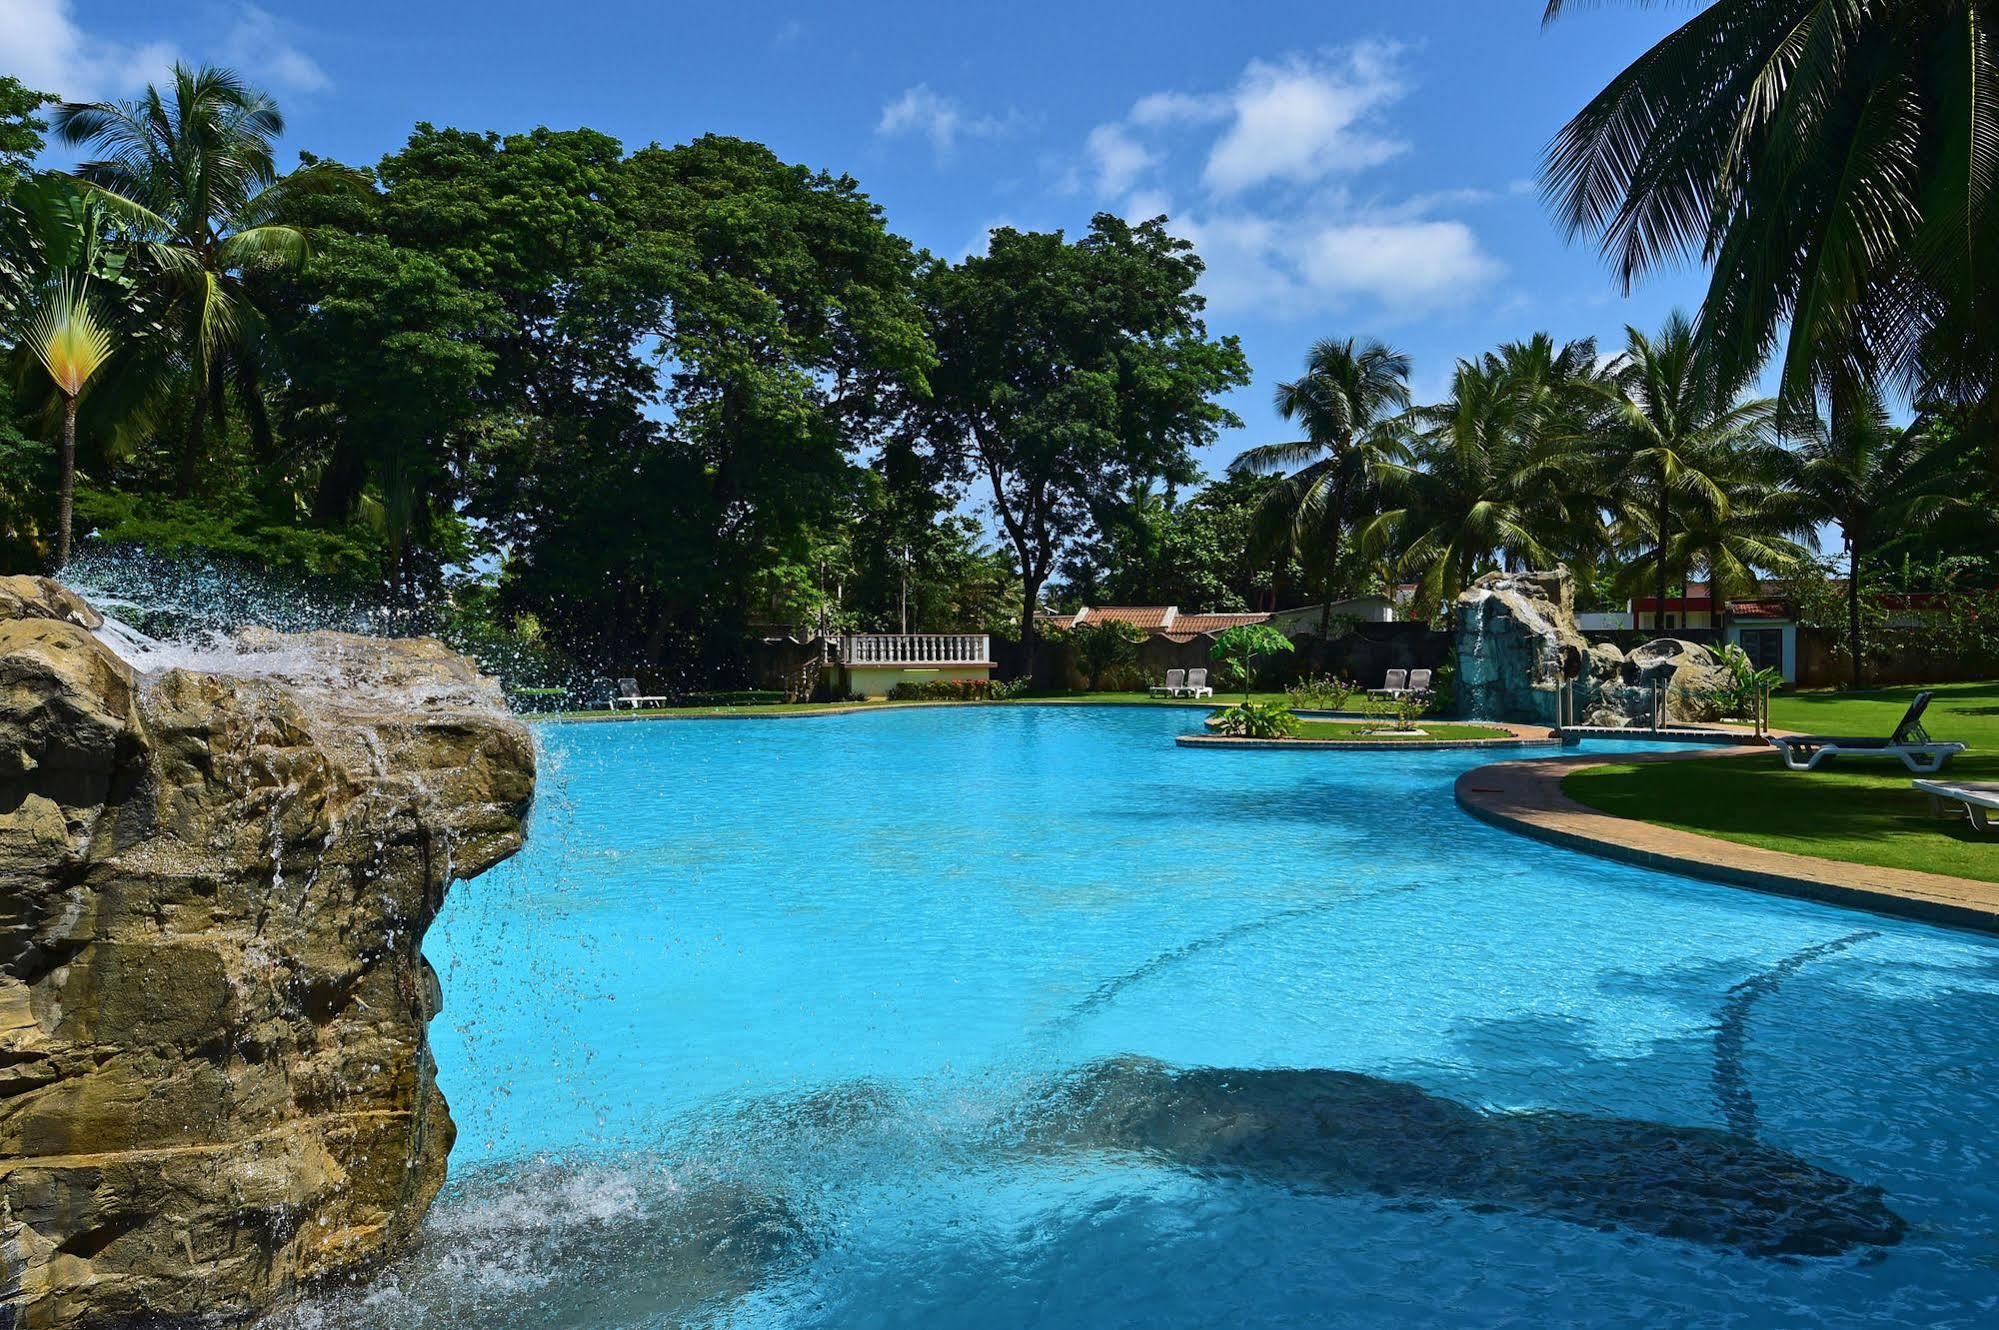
[916,649]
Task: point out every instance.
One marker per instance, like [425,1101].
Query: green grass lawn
[1351,729]
[1860,811]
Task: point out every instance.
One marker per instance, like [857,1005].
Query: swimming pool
[1027,1017]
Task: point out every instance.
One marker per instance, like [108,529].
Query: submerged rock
[215,1080]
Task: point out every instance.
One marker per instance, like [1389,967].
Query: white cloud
[1291,267]
[1177,108]
[1315,243]
[1413,265]
[1302,120]
[1119,158]
[42,44]
[938,118]
[45,49]
[260,48]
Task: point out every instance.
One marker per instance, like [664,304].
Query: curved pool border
[1527,797]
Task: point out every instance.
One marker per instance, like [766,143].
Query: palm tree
[191,173]
[1836,162]
[72,344]
[1494,480]
[1670,437]
[1753,533]
[1348,391]
[1866,476]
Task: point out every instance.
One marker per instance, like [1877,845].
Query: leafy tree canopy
[1068,374]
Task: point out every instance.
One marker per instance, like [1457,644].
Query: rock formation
[215,1081]
[1517,630]
[1514,632]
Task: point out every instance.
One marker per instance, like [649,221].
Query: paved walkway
[1527,797]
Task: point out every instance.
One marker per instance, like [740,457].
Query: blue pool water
[1006,1017]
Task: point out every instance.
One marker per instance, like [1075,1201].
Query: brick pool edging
[1527,797]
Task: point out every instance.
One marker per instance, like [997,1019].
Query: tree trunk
[190,451]
[1665,520]
[1853,606]
[1030,596]
[1338,506]
[250,388]
[66,484]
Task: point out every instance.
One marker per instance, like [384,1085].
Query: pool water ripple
[1027,1017]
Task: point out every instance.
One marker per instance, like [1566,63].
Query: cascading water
[231,843]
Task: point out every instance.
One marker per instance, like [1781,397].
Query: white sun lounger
[1196,686]
[1175,681]
[1394,685]
[1909,743]
[1419,680]
[629,696]
[1978,801]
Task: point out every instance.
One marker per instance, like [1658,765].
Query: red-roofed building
[1170,621]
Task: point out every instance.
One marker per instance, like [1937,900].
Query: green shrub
[1106,653]
[1321,694]
[1406,707]
[943,690]
[1127,678]
[1746,684]
[1255,720]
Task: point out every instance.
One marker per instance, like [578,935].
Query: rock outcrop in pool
[215,1080]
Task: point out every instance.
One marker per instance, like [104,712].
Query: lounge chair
[1978,802]
[1196,685]
[628,695]
[1394,685]
[1419,680]
[1175,681]
[1908,743]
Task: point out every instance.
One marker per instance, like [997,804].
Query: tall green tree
[190,172]
[1868,477]
[1673,435]
[1204,552]
[21,128]
[1068,372]
[1836,163]
[384,359]
[1343,402]
[693,344]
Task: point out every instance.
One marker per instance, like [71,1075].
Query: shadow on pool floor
[1337,1131]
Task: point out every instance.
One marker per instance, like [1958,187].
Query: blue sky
[1345,168]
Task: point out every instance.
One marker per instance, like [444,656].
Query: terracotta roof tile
[1214,623]
[1149,617]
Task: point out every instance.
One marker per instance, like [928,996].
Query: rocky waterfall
[215,1081]
[1517,631]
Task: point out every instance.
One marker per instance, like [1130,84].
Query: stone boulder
[215,1079]
[1686,671]
[1514,632]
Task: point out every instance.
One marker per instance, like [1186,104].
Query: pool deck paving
[1527,797]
